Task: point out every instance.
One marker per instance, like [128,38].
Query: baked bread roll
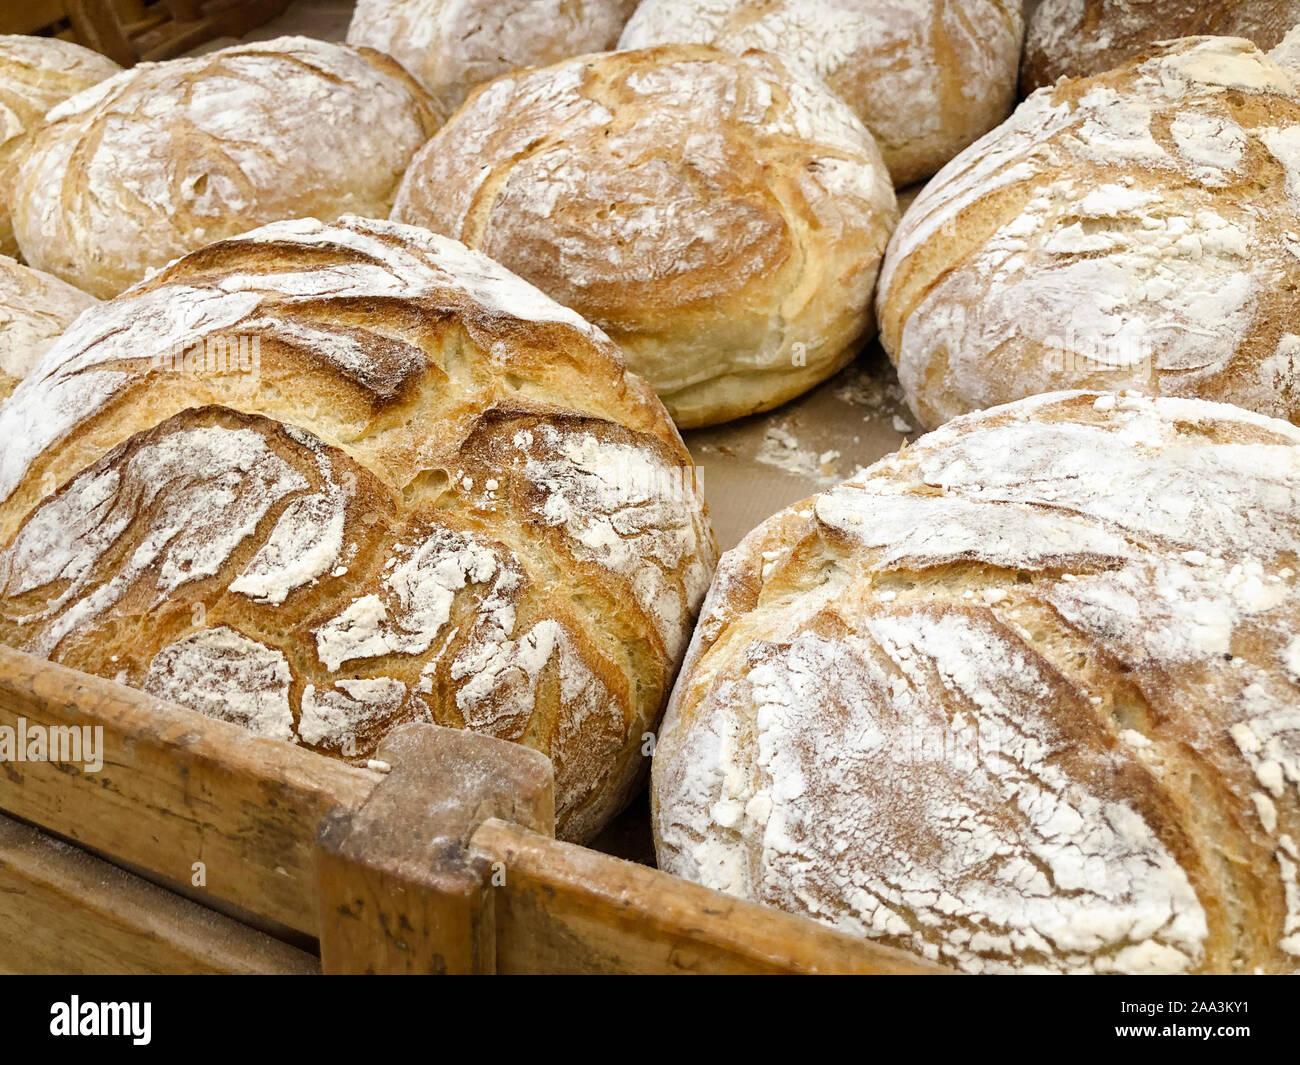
[321,480]
[721,217]
[926,76]
[452,45]
[1078,38]
[35,309]
[171,156]
[1133,230]
[36,73]
[1025,696]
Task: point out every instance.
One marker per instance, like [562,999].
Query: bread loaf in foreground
[320,480]
[35,309]
[926,76]
[1079,38]
[36,73]
[450,46]
[1024,697]
[721,217]
[1133,230]
[168,157]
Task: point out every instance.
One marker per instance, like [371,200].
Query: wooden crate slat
[445,864]
[567,909]
[174,38]
[177,788]
[98,26]
[128,31]
[30,16]
[63,910]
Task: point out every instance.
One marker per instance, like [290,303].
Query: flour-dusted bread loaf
[450,46]
[1287,53]
[1078,38]
[35,309]
[36,73]
[167,157]
[1134,230]
[321,479]
[1025,696]
[723,218]
[926,76]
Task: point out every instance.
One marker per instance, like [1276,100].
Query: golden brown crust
[1021,697]
[927,78]
[35,309]
[171,156]
[451,46]
[1132,230]
[321,480]
[719,217]
[36,73]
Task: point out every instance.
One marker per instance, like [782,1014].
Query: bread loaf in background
[1024,697]
[926,76]
[321,480]
[35,309]
[1133,230]
[722,217]
[1286,54]
[1078,38]
[36,73]
[450,46]
[168,157]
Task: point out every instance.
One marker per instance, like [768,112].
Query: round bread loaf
[321,480]
[1078,38]
[452,45]
[926,76]
[36,73]
[721,217]
[167,157]
[1133,230]
[35,309]
[1025,696]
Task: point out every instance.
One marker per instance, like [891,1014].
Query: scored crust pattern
[1133,230]
[721,217]
[427,493]
[926,76]
[166,157]
[1025,696]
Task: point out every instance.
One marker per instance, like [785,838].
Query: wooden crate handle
[451,866]
[400,890]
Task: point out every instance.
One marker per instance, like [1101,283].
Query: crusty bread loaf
[721,217]
[1025,696]
[1133,230]
[1078,38]
[926,76]
[167,157]
[324,479]
[36,73]
[35,309]
[452,45]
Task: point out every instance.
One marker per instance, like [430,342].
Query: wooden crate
[446,863]
[129,31]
